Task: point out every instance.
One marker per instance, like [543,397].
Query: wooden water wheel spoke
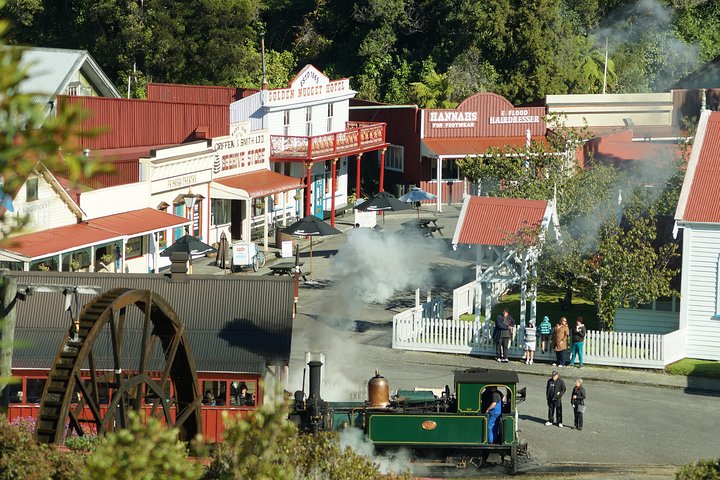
[117,332]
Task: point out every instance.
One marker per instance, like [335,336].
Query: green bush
[146,450]
[467,317]
[22,458]
[702,470]
[86,443]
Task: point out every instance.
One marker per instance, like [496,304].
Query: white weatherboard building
[310,135]
[698,213]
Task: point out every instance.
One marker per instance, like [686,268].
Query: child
[530,341]
[545,328]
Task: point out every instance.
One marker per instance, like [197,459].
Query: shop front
[479,123]
[247,198]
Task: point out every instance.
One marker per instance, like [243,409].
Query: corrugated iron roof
[234,323]
[138,222]
[460,147]
[260,183]
[495,221]
[91,232]
[702,188]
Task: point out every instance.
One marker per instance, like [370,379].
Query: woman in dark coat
[577,400]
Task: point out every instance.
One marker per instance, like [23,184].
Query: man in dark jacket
[501,335]
[578,338]
[554,392]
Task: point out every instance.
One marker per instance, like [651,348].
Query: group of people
[557,338]
[554,393]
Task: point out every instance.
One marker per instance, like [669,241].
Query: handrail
[356,137]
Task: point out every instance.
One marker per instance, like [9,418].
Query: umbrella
[381,202]
[310,226]
[190,245]
[417,195]
[222,251]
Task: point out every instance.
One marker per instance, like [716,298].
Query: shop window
[450,170]
[395,158]
[135,247]
[35,388]
[220,211]
[49,264]
[31,189]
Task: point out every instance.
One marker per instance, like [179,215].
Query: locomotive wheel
[133,345]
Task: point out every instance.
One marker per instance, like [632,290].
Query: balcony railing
[357,137]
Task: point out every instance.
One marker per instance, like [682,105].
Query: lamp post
[190,199]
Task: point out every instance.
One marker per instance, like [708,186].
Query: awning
[460,147]
[253,185]
[97,231]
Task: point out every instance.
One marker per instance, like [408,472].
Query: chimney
[179,266]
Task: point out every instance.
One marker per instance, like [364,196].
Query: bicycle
[258,260]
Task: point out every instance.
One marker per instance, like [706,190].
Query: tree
[434,90]
[146,449]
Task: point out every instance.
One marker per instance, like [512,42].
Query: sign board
[365,219]
[286,250]
[242,151]
[243,253]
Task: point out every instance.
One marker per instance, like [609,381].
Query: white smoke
[398,462]
[372,267]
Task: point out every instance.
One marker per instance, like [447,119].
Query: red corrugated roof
[473,145]
[138,222]
[92,232]
[261,183]
[495,221]
[703,202]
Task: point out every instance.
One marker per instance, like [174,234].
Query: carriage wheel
[129,347]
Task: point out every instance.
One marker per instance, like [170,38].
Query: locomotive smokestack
[314,400]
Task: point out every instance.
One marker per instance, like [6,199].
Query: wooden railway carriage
[449,426]
[191,341]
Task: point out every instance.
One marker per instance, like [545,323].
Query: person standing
[545,328]
[577,400]
[579,333]
[561,334]
[554,392]
[530,342]
[501,336]
[493,411]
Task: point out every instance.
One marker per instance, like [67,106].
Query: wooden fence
[641,350]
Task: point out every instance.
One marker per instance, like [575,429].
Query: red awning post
[382,170]
[308,182]
[358,194]
[332,193]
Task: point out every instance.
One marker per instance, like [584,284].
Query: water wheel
[125,351]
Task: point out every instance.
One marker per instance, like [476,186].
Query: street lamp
[190,199]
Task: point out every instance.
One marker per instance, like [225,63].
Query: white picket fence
[642,350]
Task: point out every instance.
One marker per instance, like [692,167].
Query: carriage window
[150,397]
[243,393]
[486,397]
[214,392]
[35,388]
[16,393]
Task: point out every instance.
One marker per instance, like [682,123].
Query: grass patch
[695,368]
[547,304]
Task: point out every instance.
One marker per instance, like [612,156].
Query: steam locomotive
[451,425]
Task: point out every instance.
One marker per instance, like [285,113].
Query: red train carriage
[182,348]
[221,392]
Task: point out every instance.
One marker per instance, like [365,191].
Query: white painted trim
[692,166]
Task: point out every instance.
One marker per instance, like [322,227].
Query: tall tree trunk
[8,290]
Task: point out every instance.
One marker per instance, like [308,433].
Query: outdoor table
[286,268]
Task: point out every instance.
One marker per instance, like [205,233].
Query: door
[319,196]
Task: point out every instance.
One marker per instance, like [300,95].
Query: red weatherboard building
[426,143]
